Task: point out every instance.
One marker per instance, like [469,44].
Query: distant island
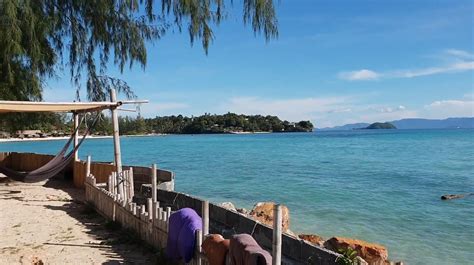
[415,123]
[380,125]
[59,125]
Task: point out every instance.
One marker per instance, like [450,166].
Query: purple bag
[183,225]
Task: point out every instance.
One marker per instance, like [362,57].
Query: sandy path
[50,224]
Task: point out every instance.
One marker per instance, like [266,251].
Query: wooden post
[125,184]
[76,135]
[88,166]
[199,238]
[205,218]
[117,152]
[153,182]
[168,211]
[276,246]
[132,186]
[150,208]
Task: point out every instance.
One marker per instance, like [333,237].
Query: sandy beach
[47,138]
[47,223]
[67,137]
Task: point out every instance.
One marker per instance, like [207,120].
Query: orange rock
[263,212]
[374,254]
[313,239]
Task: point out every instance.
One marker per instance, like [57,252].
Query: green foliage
[381,125]
[40,38]
[226,123]
[46,122]
[349,256]
[206,123]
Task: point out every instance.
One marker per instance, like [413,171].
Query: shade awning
[30,106]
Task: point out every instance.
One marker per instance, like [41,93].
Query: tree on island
[381,125]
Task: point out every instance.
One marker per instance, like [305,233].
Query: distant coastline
[415,123]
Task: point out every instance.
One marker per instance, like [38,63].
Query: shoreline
[8,140]
[56,138]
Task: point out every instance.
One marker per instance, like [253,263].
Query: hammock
[55,165]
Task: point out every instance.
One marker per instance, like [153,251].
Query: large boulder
[313,239]
[229,206]
[263,212]
[374,254]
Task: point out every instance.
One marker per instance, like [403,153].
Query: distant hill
[464,123]
[380,125]
[350,126]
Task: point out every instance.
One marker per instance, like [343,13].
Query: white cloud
[363,74]
[331,111]
[161,108]
[289,109]
[459,53]
[461,61]
[391,109]
[456,67]
[341,110]
[450,108]
[469,96]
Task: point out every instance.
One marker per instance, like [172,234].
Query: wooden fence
[149,222]
[23,161]
[100,170]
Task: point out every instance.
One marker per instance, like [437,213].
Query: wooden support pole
[76,136]
[88,166]
[117,151]
[205,218]
[276,246]
[153,182]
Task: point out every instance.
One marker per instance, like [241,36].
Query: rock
[36,261]
[454,196]
[243,211]
[229,206]
[291,233]
[313,239]
[263,212]
[374,254]
[361,261]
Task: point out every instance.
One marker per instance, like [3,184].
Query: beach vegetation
[40,39]
[207,123]
[348,256]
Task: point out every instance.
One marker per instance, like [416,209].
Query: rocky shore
[369,253]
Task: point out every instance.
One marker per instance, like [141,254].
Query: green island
[381,125]
[57,124]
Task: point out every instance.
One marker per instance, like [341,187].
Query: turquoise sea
[379,186]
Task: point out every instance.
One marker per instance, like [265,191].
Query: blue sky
[335,62]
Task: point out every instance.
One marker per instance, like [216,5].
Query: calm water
[379,186]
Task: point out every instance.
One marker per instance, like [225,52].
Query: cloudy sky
[335,62]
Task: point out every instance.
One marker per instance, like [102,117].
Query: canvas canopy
[29,106]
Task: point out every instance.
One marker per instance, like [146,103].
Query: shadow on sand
[120,246]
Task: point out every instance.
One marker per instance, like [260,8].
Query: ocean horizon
[381,186]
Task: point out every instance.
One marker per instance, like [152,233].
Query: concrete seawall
[227,222]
